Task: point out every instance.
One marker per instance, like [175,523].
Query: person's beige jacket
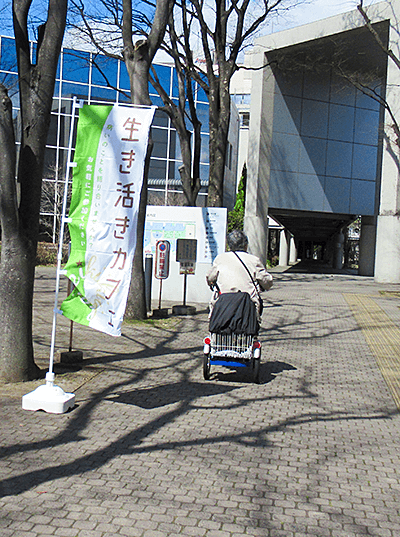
[231,276]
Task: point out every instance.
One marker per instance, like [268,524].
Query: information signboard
[206,224]
[186,254]
[186,250]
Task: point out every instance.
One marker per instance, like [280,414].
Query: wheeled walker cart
[234,351]
[233,340]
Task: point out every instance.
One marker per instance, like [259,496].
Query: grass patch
[394,294]
[169,322]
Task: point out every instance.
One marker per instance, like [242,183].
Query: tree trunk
[16,298]
[190,183]
[16,266]
[219,130]
[217,168]
[136,304]
[138,58]
[137,64]
[189,171]
[20,225]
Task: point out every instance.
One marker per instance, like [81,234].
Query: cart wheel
[206,366]
[256,370]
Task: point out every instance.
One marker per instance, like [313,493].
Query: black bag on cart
[234,313]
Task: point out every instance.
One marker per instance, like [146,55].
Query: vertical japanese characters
[110,149]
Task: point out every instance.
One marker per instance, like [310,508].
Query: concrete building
[322,149]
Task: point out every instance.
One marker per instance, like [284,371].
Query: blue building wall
[325,144]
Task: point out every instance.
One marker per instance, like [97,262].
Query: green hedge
[47,252]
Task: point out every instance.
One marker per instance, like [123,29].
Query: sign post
[161,272]
[186,255]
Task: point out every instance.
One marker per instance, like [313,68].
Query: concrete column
[292,251]
[283,248]
[259,155]
[256,229]
[387,256]
[338,250]
[366,260]
[328,257]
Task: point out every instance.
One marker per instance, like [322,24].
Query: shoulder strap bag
[254,283]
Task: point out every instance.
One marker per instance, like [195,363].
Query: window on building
[241,98]
[245,119]
[78,76]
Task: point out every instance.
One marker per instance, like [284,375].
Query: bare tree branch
[370,27]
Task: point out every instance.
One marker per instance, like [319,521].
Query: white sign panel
[206,224]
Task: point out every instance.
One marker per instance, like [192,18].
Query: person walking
[237,270]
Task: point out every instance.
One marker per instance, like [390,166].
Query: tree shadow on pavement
[128,382]
[177,397]
[268,372]
[137,439]
[169,394]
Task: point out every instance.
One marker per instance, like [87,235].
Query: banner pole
[61,239]
[71,328]
[49,397]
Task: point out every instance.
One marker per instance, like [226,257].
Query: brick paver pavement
[151,449]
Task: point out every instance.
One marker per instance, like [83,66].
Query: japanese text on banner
[110,151]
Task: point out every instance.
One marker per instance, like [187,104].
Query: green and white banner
[110,150]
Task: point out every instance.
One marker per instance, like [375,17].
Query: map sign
[206,224]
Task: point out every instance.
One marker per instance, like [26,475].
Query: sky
[307,11]
[313,10]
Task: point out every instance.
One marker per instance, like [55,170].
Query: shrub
[46,253]
[236,216]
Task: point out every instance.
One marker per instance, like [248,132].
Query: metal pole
[184,288]
[59,256]
[148,274]
[71,333]
[71,326]
[159,296]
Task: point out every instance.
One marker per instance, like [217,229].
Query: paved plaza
[151,449]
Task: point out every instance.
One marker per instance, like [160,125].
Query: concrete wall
[241,88]
[259,156]
[231,166]
[197,290]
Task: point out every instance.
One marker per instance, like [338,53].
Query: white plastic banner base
[50,398]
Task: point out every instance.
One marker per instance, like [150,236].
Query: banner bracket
[49,397]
